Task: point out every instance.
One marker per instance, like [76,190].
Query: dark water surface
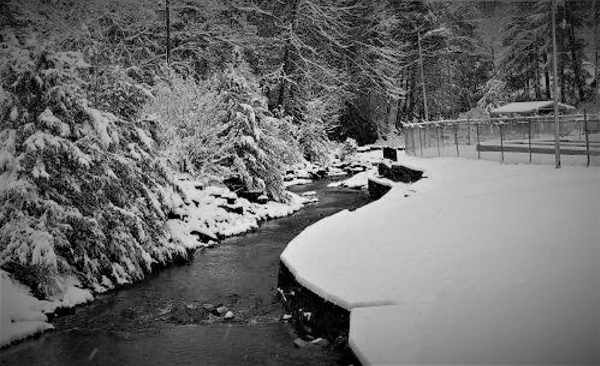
[163,320]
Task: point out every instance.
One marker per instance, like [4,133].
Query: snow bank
[483,263]
[22,315]
[212,216]
[357,181]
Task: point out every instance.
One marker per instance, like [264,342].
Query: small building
[530,108]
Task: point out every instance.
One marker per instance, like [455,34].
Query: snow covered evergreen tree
[82,192]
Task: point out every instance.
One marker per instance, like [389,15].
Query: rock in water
[229,315]
[300,343]
[220,310]
[320,342]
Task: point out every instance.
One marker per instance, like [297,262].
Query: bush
[349,148]
[222,126]
[82,192]
[313,129]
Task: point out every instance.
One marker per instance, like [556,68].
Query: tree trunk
[561,57]
[287,56]
[547,77]
[538,91]
[393,114]
[596,48]
[579,82]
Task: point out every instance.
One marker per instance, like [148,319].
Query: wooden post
[469,131]
[501,142]
[420,140]
[587,140]
[437,130]
[529,139]
[412,134]
[477,136]
[412,140]
[456,138]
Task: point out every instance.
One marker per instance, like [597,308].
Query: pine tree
[83,192]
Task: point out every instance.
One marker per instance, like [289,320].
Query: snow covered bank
[211,213]
[207,216]
[22,315]
[483,263]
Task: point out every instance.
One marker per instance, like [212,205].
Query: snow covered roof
[530,107]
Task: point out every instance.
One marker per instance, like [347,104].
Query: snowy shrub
[82,191]
[494,95]
[349,148]
[262,144]
[223,127]
[314,141]
[120,90]
[192,128]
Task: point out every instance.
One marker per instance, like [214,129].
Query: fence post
[529,139]
[437,132]
[412,134]
[501,142]
[456,138]
[587,139]
[477,136]
[420,140]
[469,131]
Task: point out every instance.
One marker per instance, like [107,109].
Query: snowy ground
[479,263]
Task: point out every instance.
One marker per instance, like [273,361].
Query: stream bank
[163,320]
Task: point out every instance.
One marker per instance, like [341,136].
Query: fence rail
[513,140]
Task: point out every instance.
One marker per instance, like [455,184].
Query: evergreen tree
[83,192]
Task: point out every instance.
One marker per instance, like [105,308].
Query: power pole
[555,81]
[422,76]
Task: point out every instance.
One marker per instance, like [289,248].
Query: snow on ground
[209,213]
[484,263]
[296,182]
[22,315]
[357,181]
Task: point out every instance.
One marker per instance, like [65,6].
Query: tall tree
[525,65]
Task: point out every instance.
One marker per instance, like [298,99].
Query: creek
[167,319]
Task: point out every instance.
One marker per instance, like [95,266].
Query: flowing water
[164,320]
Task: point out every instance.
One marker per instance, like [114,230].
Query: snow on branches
[223,126]
[82,192]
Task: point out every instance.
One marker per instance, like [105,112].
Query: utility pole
[168,21]
[422,76]
[555,81]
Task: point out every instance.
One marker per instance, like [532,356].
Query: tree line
[352,65]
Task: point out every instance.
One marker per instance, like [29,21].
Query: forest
[101,101]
